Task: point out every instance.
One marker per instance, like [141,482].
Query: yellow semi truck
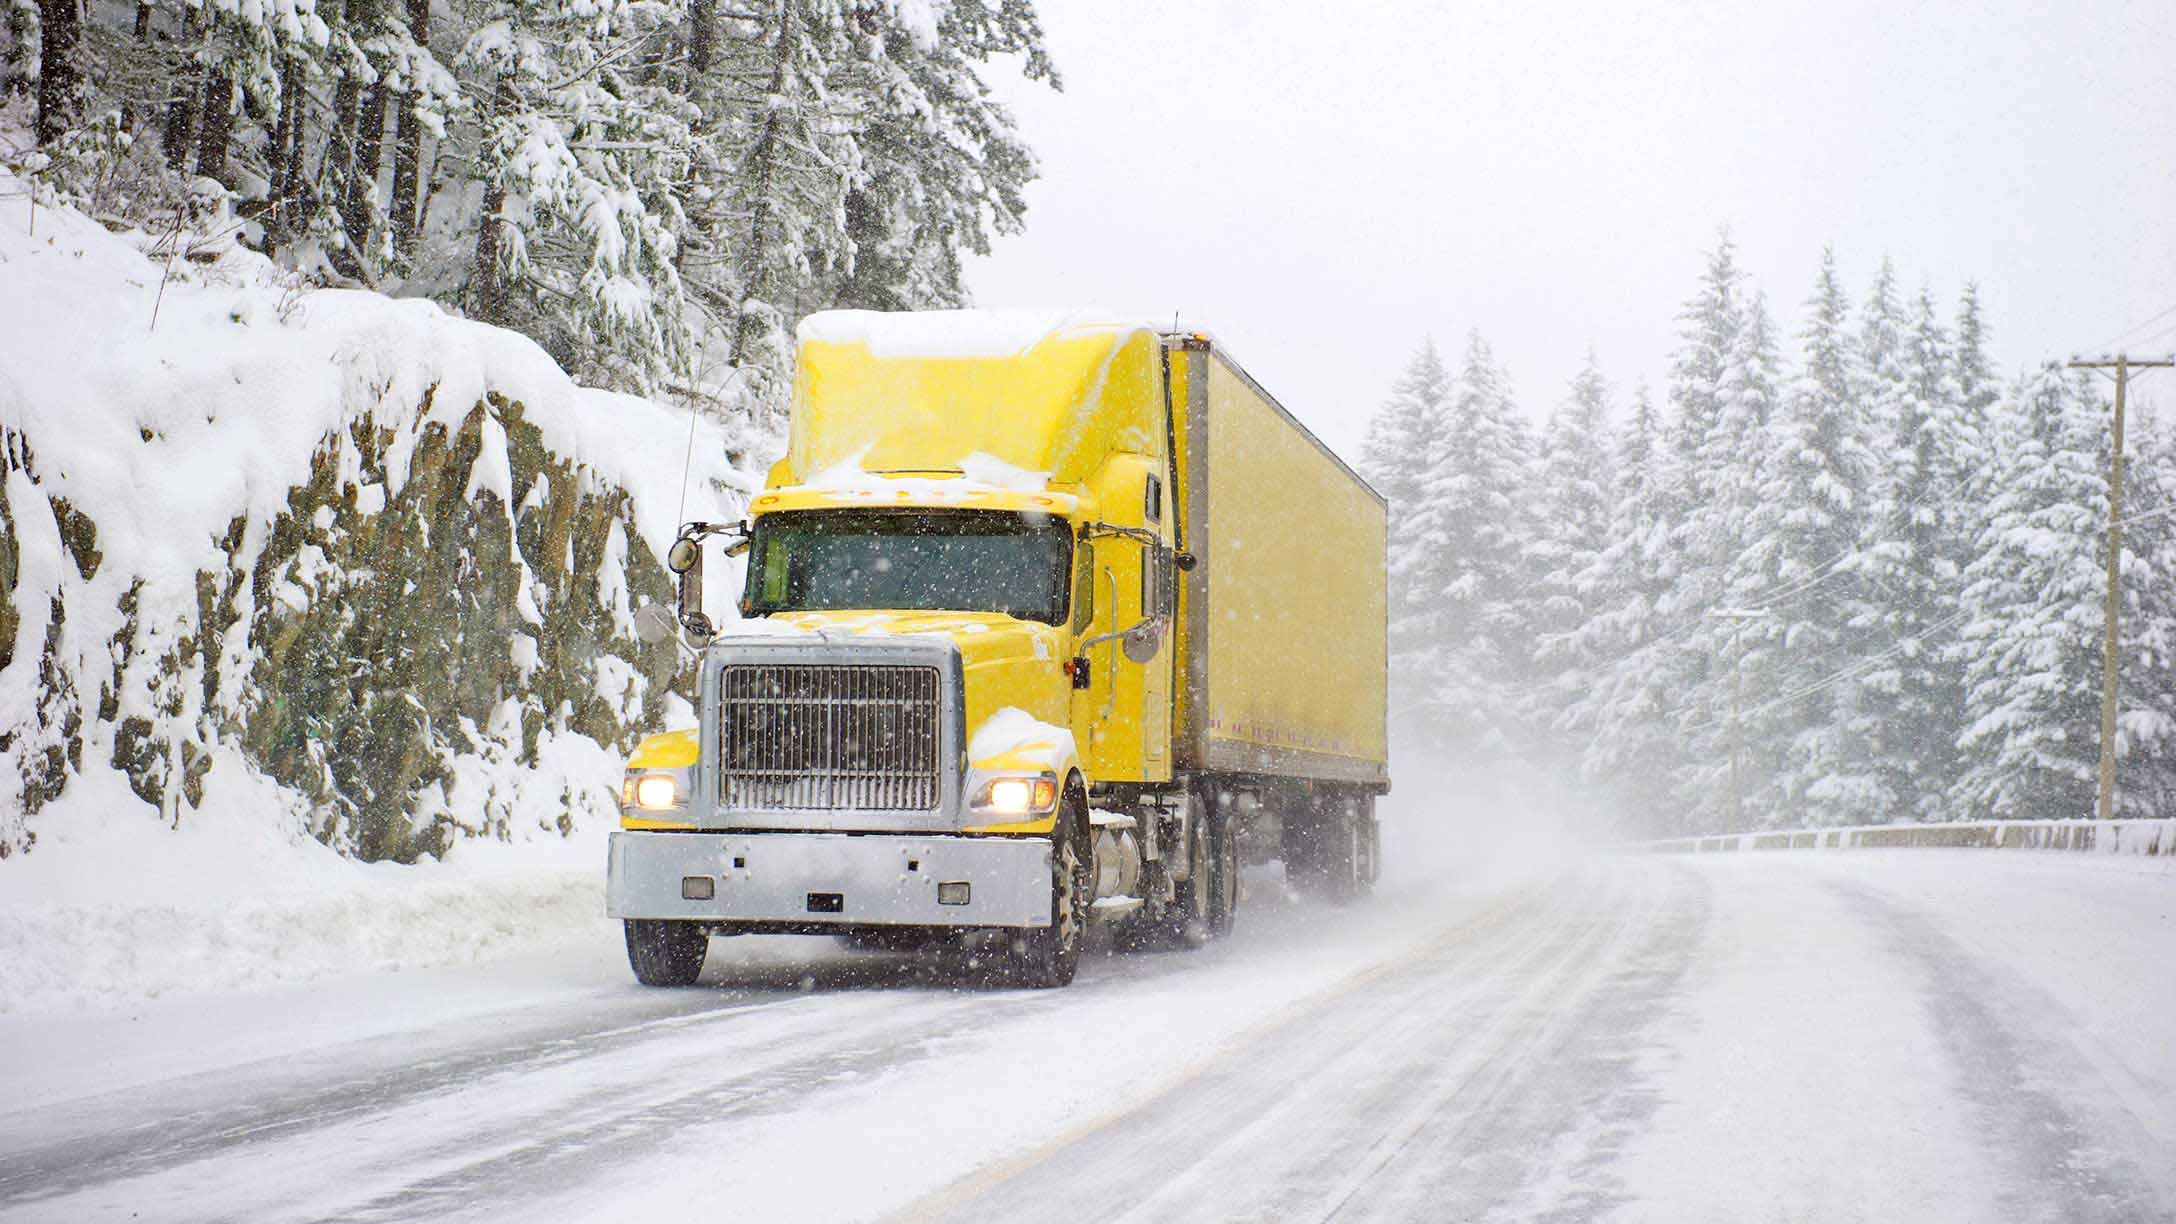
[1045,622]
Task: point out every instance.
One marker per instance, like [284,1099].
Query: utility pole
[2122,365]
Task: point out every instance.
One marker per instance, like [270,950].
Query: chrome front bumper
[831,879]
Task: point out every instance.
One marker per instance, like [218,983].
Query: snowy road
[1923,1035]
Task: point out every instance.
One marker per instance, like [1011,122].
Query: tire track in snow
[1539,1140]
[514,1118]
[2058,1169]
[109,1140]
[1374,1084]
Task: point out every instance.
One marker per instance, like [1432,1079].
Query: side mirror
[1143,640]
[654,623]
[684,555]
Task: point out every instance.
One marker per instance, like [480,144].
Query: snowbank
[108,914]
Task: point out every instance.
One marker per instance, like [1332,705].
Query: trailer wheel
[1344,854]
[1371,843]
[1223,873]
[1048,956]
[666,953]
[1317,847]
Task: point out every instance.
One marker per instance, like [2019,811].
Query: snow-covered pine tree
[1574,503]
[2146,711]
[1471,525]
[2029,640]
[1977,386]
[781,162]
[1908,570]
[1808,526]
[1735,765]
[944,167]
[1705,449]
[1622,711]
[579,159]
[1405,436]
[1708,327]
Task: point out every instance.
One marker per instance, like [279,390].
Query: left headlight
[1015,796]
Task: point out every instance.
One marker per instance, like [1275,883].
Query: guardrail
[2148,837]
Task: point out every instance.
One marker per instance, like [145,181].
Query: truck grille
[825,737]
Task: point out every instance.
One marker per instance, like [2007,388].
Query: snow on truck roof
[891,420]
[958,333]
[1046,391]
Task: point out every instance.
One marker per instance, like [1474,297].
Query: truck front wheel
[665,953]
[1049,955]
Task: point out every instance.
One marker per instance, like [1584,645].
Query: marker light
[656,792]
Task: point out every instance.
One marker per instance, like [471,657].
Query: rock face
[321,561]
[385,643]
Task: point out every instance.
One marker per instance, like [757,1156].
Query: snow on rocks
[320,564]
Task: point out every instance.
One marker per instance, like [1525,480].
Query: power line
[2135,326]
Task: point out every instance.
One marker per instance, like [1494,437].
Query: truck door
[1124,705]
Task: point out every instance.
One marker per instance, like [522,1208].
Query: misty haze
[994,610]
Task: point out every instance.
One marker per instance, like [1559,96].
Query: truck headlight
[1018,796]
[654,790]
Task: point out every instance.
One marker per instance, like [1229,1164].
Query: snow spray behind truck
[1042,618]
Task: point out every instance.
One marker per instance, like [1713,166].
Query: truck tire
[1317,847]
[666,953]
[1344,854]
[1223,911]
[1182,923]
[1048,956]
[1371,842]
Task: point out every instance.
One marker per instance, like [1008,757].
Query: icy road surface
[1912,1035]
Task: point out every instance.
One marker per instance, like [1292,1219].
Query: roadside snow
[1916,1034]
[113,912]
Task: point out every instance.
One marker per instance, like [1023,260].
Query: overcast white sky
[1323,183]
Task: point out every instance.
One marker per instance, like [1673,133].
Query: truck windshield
[952,560]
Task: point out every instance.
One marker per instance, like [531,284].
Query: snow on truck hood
[982,637]
[983,482]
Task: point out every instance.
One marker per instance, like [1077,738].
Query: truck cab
[950,704]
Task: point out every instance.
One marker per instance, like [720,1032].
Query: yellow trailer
[1283,632]
[1041,618]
